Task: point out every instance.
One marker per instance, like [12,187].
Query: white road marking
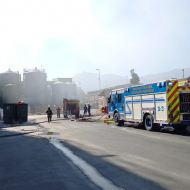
[87,169]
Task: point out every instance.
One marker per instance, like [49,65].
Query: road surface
[130,158]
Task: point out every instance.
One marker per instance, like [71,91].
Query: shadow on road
[185,132]
[31,162]
[118,175]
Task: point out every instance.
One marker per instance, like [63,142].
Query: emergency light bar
[160,84]
[170,83]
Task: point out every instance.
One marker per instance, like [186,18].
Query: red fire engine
[71,107]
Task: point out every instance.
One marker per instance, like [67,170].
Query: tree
[134,78]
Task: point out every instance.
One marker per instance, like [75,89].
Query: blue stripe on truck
[146,100]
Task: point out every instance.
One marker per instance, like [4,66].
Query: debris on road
[84,119]
[50,133]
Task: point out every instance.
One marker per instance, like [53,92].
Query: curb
[18,125]
[31,123]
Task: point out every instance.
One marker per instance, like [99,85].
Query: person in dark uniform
[89,108]
[49,114]
[85,109]
[58,112]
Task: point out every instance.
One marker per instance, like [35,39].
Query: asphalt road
[131,158]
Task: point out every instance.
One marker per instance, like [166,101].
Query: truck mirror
[108,100]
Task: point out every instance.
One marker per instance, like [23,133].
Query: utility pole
[99,78]
[183,73]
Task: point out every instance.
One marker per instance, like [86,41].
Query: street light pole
[99,78]
[127,79]
[183,73]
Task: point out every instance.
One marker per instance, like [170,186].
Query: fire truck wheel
[149,123]
[117,120]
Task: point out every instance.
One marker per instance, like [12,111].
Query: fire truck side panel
[137,107]
[148,98]
[148,101]
[128,108]
[161,107]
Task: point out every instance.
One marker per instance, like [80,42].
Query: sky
[67,37]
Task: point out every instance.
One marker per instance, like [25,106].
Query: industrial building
[35,90]
[9,86]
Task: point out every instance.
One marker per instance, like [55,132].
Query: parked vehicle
[155,105]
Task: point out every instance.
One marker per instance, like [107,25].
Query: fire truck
[71,107]
[155,105]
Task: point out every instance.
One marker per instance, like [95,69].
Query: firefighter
[58,112]
[89,108]
[49,114]
[85,109]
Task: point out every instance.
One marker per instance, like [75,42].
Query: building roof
[58,82]
[105,93]
[108,89]
[102,93]
[65,80]
[9,71]
[35,70]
